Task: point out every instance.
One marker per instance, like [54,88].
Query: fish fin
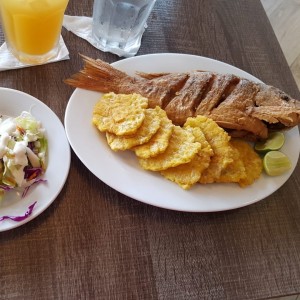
[98,75]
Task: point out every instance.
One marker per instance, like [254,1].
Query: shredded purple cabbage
[28,187]
[31,145]
[20,218]
[5,187]
[32,172]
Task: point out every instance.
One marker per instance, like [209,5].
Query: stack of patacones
[200,151]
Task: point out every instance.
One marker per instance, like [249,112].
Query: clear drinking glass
[120,23]
[32,28]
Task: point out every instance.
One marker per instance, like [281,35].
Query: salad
[23,152]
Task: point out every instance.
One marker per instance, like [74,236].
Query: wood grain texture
[95,243]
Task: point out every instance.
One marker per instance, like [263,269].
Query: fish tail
[99,76]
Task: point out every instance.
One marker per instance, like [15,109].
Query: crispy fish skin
[232,113]
[242,107]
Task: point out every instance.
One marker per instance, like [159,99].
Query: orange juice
[32,27]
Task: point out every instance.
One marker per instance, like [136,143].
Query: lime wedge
[274,142]
[276,163]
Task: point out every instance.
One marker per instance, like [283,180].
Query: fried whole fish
[240,106]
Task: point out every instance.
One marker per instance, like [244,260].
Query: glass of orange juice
[32,28]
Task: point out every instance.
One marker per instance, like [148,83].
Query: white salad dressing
[22,146]
[33,158]
[8,126]
[4,138]
[19,153]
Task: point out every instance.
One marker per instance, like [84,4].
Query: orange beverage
[32,28]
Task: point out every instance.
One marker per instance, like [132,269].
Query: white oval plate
[12,103]
[121,170]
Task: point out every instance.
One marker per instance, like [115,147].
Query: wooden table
[95,243]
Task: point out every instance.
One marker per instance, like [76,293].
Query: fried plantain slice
[251,160]
[235,171]
[119,114]
[186,175]
[182,149]
[219,142]
[144,133]
[160,141]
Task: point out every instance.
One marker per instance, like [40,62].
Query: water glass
[119,24]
